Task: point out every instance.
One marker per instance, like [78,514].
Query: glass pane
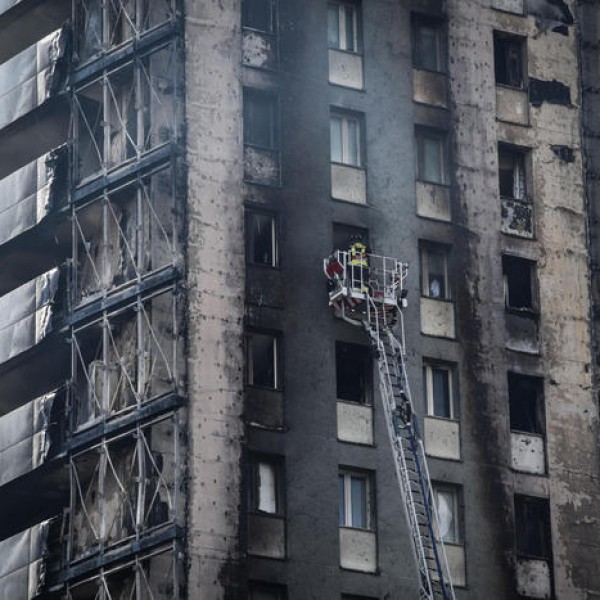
[358,496]
[259,121]
[349,27]
[437,274]
[446,518]
[257,15]
[336,139]
[441,392]
[426,48]
[262,361]
[333,26]
[353,158]
[261,240]
[341,500]
[432,160]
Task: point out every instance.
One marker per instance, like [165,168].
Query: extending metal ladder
[378,310]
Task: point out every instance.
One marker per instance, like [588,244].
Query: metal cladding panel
[26,314]
[22,566]
[31,77]
[30,194]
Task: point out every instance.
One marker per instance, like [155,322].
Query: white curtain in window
[267,492]
[519,181]
[445,510]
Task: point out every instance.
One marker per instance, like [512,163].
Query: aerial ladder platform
[369,291]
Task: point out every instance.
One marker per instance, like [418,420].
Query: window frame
[428,367]
[533,285]
[425,250]
[440,136]
[508,150]
[250,97]
[276,463]
[249,213]
[420,21]
[345,117]
[277,366]
[545,527]
[341,45]
[367,373]
[346,475]
[537,385]
[272,17]
[455,491]
[521,42]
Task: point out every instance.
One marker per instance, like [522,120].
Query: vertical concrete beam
[215,293]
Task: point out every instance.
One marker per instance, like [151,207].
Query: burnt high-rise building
[183,415]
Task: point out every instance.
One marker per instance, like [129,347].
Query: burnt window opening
[434,272]
[262,360]
[352,372]
[265,485]
[344,234]
[344,26]
[438,383]
[512,176]
[261,239]
[532,527]
[519,283]
[259,15]
[429,43]
[509,59]
[526,403]
[260,120]
[432,155]
[266,591]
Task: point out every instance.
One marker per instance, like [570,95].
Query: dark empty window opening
[266,591]
[429,44]
[260,120]
[261,241]
[532,527]
[352,372]
[511,173]
[259,15]
[526,401]
[518,283]
[509,59]
[343,236]
[262,360]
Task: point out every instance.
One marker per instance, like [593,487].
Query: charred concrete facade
[182,415]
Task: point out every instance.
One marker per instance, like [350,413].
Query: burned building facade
[181,413]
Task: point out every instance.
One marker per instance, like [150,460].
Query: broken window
[438,382]
[511,172]
[260,120]
[266,591]
[343,26]
[434,272]
[345,132]
[526,402]
[262,360]
[519,276]
[446,503]
[532,527]
[261,239]
[265,490]
[509,59]
[428,43]
[259,15]
[355,502]
[431,155]
[342,234]
[352,372]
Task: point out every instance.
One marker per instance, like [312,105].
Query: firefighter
[358,265]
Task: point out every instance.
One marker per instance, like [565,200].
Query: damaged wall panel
[31,193]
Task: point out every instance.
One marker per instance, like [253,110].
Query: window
[261,239]
[446,503]
[260,120]
[343,27]
[434,272]
[509,53]
[262,360]
[526,402]
[519,276]
[345,131]
[265,490]
[355,502]
[532,527]
[259,15]
[342,234]
[431,156]
[511,173]
[438,382]
[352,372]
[429,44]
